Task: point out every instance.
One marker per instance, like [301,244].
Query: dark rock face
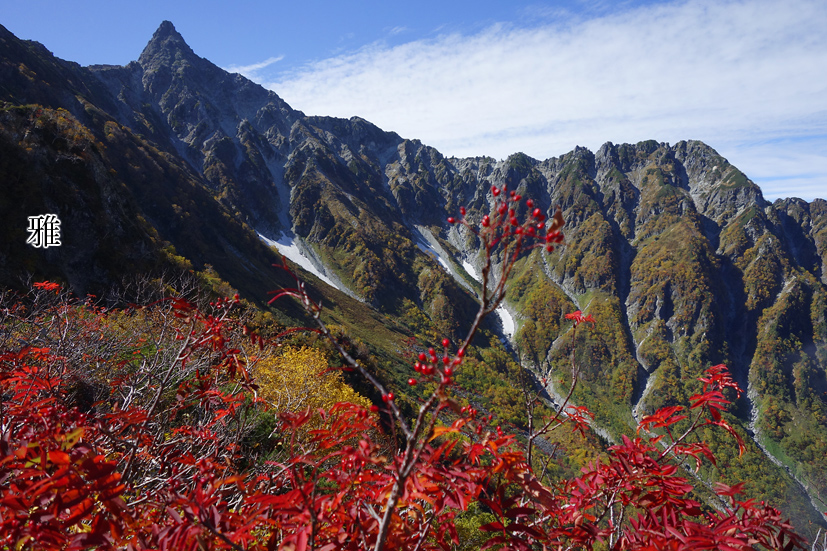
[673,249]
[225,126]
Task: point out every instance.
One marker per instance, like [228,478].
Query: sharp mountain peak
[166,45]
[166,29]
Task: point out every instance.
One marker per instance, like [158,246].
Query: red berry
[432,352]
[421,356]
[495,190]
[374,408]
[518,197]
[554,237]
[446,360]
[537,212]
[390,397]
[462,211]
[529,203]
[449,371]
[451,220]
[485,221]
[412,381]
[446,343]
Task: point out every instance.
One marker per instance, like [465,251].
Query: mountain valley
[171,164]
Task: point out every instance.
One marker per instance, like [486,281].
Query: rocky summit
[171,163]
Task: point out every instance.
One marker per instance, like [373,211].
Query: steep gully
[754,429]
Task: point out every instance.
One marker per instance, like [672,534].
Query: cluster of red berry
[506,226]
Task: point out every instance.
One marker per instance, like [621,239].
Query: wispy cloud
[396,30]
[251,71]
[736,74]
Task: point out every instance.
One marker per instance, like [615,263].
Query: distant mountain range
[171,163]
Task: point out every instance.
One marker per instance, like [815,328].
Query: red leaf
[495,526]
[59,457]
[724,490]
[515,512]
[79,511]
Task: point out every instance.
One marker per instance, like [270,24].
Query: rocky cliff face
[671,248]
[226,127]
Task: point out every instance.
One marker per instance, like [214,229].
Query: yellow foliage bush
[295,379]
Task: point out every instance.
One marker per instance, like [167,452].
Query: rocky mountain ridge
[674,251]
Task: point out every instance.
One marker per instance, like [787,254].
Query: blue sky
[491,78]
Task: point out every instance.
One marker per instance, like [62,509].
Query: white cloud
[251,71]
[735,74]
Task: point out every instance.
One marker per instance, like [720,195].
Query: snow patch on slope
[429,244]
[506,319]
[426,248]
[298,253]
[471,270]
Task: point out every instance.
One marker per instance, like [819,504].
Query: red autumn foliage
[127,474]
[578,318]
[47,286]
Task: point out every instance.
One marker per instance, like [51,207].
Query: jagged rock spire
[166,44]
